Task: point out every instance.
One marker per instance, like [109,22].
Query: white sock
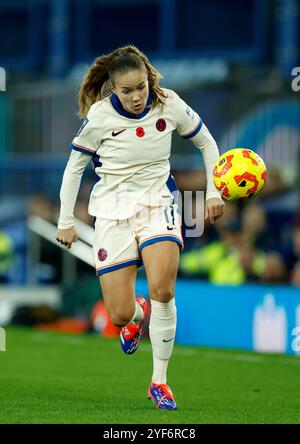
[162,329]
[138,314]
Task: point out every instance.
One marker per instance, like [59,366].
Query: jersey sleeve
[88,138]
[205,142]
[190,126]
[70,187]
[188,122]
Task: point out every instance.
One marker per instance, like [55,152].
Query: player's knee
[162,292]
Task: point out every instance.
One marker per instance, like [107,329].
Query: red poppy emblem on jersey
[102,254]
[140,132]
[161,124]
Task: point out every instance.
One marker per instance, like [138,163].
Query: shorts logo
[140,132]
[102,254]
[161,124]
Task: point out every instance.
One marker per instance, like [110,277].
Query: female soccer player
[129,120]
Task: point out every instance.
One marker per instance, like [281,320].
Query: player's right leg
[118,290]
[117,258]
[126,311]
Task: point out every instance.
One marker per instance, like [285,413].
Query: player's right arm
[66,236]
[84,147]
[66,233]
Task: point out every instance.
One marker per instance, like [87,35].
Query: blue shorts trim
[161,239]
[108,269]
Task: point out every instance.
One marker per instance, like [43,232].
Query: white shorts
[118,243]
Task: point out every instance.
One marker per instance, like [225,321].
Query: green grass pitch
[58,378]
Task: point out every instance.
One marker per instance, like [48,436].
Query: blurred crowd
[247,244]
[257,241]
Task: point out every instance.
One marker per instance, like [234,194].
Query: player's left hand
[214,209]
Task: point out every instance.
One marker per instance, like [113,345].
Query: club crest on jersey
[161,124]
[86,120]
[140,132]
[102,254]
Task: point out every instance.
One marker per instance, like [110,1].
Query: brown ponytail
[95,85]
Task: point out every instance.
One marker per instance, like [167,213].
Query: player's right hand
[67,236]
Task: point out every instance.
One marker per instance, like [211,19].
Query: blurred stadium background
[236,64]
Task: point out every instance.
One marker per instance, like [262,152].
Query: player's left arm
[204,141]
[190,126]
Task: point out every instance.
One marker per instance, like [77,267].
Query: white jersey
[131,156]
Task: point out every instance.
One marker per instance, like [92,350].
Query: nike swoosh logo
[168,340]
[116,133]
[170,228]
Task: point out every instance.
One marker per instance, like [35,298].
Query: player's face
[132,90]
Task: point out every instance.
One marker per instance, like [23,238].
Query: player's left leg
[161,265]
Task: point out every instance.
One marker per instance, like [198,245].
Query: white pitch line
[40,337]
[231,357]
[249,358]
[147,348]
[184,352]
